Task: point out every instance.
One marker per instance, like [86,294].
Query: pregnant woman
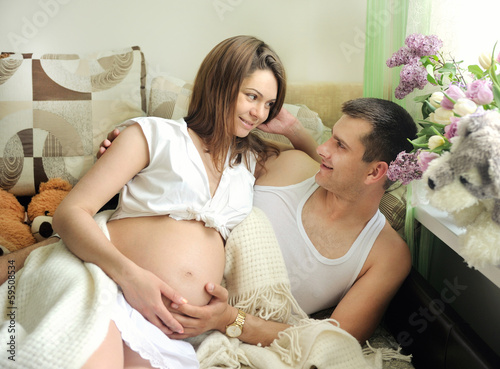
[184,185]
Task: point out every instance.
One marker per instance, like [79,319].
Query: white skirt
[150,342]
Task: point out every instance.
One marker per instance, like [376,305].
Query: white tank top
[317,282]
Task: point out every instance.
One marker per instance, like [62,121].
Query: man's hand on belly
[143,291]
[199,319]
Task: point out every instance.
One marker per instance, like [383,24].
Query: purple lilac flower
[455,93]
[480,91]
[411,76]
[423,45]
[417,46]
[405,168]
[401,57]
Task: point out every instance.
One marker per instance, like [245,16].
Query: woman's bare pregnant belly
[185,254]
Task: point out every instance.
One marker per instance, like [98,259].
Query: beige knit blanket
[257,281]
[55,311]
[59,310]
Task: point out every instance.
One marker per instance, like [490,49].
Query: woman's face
[256,97]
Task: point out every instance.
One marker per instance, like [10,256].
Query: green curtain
[385,33]
[388,22]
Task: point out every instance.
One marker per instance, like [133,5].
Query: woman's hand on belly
[144,291]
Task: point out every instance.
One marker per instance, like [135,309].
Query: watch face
[233,331]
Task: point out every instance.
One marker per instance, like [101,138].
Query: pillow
[55,109]
[393,206]
[169,98]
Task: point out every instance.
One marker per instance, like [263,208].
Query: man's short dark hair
[392,127]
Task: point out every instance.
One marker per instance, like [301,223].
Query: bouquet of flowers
[459,92]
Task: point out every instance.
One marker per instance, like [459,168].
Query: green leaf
[496,93]
[427,109]
[425,60]
[421,146]
[449,68]
[494,78]
[421,98]
[426,123]
[476,70]
[436,132]
[419,140]
[430,74]
[493,66]
[428,131]
[444,147]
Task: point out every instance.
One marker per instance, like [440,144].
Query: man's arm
[290,167]
[287,125]
[387,266]
[358,313]
[218,314]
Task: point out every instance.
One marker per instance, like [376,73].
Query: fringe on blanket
[273,303]
[289,345]
[379,355]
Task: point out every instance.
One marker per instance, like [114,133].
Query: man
[338,248]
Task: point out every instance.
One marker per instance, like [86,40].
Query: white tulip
[435,141]
[485,60]
[464,107]
[436,98]
[441,116]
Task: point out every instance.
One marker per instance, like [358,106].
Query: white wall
[310,36]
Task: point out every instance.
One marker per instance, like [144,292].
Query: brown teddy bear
[43,205]
[15,231]
[15,234]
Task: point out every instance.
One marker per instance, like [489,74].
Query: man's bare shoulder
[385,269]
[290,167]
[390,253]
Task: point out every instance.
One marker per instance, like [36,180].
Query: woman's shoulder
[162,123]
[162,128]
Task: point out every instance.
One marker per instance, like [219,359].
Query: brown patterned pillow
[55,109]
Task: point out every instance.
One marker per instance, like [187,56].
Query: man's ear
[377,172]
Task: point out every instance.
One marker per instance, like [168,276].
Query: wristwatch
[235,329]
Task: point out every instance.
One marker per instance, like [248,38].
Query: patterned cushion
[55,109]
[393,206]
[170,99]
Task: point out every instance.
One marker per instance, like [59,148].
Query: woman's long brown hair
[215,92]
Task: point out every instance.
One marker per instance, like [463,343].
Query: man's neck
[358,208]
[333,223]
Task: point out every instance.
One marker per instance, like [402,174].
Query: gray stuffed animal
[466,183]
[474,160]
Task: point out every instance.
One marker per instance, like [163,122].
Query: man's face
[342,171]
